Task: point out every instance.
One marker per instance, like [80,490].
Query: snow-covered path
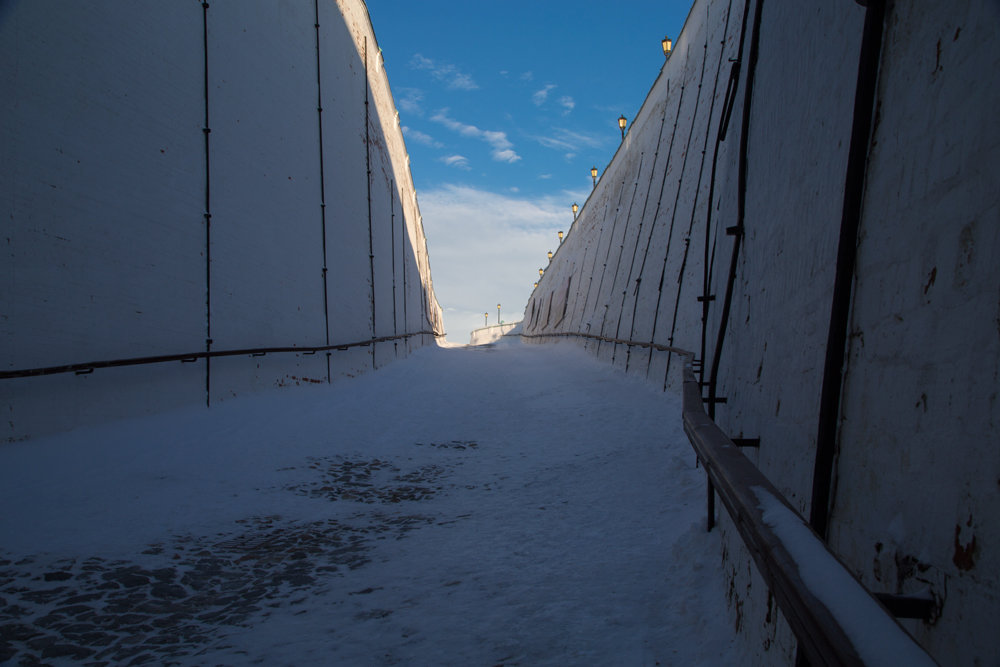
[515,505]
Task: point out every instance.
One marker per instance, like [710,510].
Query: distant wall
[182,178]
[648,259]
[489,334]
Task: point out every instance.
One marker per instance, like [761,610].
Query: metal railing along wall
[836,620]
[88,367]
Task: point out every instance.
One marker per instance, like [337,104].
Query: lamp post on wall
[550,255]
[536,285]
[622,122]
[486,322]
[499,321]
[575,209]
[593,175]
[560,234]
[668,46]
[540,272]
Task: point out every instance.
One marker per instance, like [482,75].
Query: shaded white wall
[105,189]
[916,476]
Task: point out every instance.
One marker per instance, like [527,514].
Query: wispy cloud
[528,76]
[503,149]
[562,139]
[542,95]
[445,72]
[409,100]
[421,137]
[458,161]
[567,103]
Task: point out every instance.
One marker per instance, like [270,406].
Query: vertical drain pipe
[368,169]
[402,252]
[392,246]
[322,193]
[677,199]
[697,188]
[621,251]
[727,109]
[840,309]
[666,252]
[607,256]
[206,130]
[738,235]
[649,236]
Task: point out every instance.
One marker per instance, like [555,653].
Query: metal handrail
[836,620]
[89,366]
[608,339]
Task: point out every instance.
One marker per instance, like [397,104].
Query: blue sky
[505,107]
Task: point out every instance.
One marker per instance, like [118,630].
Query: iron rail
[89,366]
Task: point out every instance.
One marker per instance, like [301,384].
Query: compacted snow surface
[502,505]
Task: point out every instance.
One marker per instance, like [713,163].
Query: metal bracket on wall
[706,297]
[747,442]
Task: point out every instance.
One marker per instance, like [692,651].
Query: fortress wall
[106,185]
[915,463]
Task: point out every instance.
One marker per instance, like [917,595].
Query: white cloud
[445,72]
[528,76]
[462,82]
[541,95]
[409,100]
[459,161]
[567,103]
[503,149]
[567,140]
[506,155]
[421,138]
[486,248]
